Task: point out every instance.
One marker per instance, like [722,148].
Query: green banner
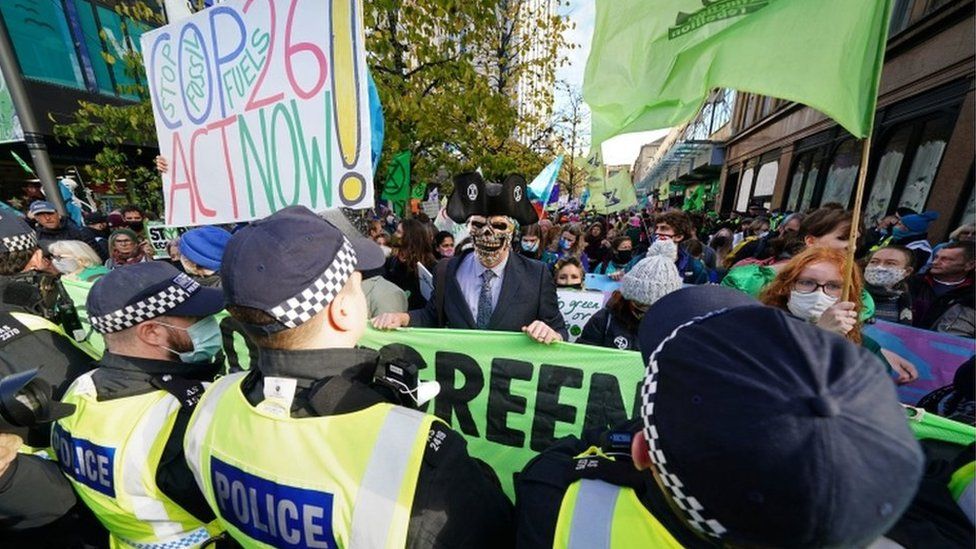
[512,397]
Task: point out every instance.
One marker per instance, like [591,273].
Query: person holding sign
[489,287]
[815,453]
[320,444]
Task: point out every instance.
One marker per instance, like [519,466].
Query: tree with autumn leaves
[448,72]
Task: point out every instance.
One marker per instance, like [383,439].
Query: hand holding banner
[259,105]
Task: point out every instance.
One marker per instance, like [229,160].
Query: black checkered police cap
[291,265]
[15,234]
[136,293]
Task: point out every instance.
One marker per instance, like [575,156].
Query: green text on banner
[261,105]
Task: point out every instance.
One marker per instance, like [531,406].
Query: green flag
[397,186]
[607,194]
[419,191]
[652,64]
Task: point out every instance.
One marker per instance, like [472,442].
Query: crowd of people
[767,417]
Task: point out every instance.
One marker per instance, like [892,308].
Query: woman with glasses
[811,288]
[125,249]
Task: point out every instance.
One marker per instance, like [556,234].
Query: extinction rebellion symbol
[714,11]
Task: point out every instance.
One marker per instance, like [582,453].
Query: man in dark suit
[489,288]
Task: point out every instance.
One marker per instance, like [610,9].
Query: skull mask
[491,237]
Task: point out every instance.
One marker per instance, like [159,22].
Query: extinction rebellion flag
[652,64]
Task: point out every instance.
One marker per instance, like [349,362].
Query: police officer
[28,339]
[797,440]
[309,449]
[122,449]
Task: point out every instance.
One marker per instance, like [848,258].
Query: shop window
[886,177]
[901,14]
[842,174]
[40,36]
[806,201]
[796,181]
[969,214]
[766,183]
[925,164]
[89,27]
[745,186]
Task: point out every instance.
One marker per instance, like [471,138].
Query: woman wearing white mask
[76,260]
[885,279]
[811,286]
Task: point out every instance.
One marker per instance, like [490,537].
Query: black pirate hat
[474,196]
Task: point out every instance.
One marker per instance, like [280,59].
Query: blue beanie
[919,223]
[205,246]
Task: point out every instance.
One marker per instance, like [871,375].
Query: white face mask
[65,265]
[809,306]
[885,277]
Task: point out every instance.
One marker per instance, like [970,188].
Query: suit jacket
[527,294]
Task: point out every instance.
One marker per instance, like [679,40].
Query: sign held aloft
[259,105]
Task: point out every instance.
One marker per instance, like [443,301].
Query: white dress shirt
[469,279]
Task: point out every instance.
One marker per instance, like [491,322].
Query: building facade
[68,51]
[787,156]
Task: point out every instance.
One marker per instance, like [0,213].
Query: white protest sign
[259,105]
[426,281]
[577,307]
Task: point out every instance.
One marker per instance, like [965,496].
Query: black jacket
[458,501]
[927,308]
[527,294]
[69,230]
[604,330]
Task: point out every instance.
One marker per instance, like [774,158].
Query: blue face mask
[564,244]
[206,338]
[530,247]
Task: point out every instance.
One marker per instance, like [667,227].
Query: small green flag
[607,194]
[652,64]
[419,191]
[397,186]
[23,164]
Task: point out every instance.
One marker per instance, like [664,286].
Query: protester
[76,260]
[598,246]
[810,288]
[161,341]
[615,325]
[532,243]
[401,268]
[794,389]
[886,279]
[676,226]
[51,227]
[201,253]
[466,292]
[125,249]
[943,298]
[962,233]
[443,245]
[134,218]
[569,273]
[621,259]
[97,223]
[911,231]
[571,244]
[369,477]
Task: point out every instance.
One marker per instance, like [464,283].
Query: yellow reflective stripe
[377,501]
[146,505]
[199,424]
[35,323]
[593,515]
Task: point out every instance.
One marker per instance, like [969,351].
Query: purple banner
[935,355]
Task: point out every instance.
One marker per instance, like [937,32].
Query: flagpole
[862,176]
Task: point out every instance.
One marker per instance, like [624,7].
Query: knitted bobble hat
[653,277]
